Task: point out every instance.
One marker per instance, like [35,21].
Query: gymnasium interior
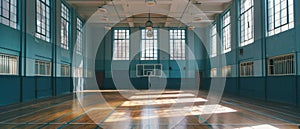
[149,64]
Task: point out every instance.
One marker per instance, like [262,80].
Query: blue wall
[21,42]
[26,86]
[174,70]
[283,89]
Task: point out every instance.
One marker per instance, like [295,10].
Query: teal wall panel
[10,90]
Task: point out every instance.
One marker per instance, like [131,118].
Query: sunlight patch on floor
[161,96]
[265,126]
[162,101]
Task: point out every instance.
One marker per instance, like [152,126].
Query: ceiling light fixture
[150,3]
[107,27]
[191,27]
[149,27]
[104,19]
[102,10]
[197,19]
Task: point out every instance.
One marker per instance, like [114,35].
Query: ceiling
[166,13]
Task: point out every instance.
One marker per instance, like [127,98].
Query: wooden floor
[148,110]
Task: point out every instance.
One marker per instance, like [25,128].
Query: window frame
[126,40]
[79,37]
[47,28]
[67,70]
[213,52]
[225,26]
[243,31]
[172,39]
[155,55]
[292,68]
[227,69]
[65,33]
[246,64]
[11,23]
[213,70]
[38,72]
[8,58]
[281,28]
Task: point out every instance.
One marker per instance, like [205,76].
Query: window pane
[42,68]
[42,20]
[226,33]
[8,64]
[177,44]
[281,16]
[121,44]
[149,45]
[8,13]
[213,38]
[247,22]
[282,65]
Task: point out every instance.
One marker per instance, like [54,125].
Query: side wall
[22,42]
[283,89]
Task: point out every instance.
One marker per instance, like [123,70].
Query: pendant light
[149,27]
[150,3]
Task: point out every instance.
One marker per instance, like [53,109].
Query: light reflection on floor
[265,126]
[158,92]
[150,115]
[162,101]
[210,109]
[161,96]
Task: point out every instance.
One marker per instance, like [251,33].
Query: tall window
[226,33]
[8,13]
[42,68]
[65,26]
[213,38]
[65,70]
[213,72]
[281,65]
[247,22]
[226,71]
[8,65]
[280,16]
[246,69]
[43,20]
[121,44]
[149,45]
[79,37]
[177,44]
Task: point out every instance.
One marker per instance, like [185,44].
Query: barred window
[65,26]
[177,44]
[226,33]
[8,65]
[121,44]
[213,38]
[42,68]
[280,16]
[281,65]
[213,72]
[246,69]
[79,37]
[43,20]
[247,22]
[8,13]
[226,71]
[78,72]
[149,45]
[65,70]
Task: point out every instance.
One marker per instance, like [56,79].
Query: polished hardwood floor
[148,110]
